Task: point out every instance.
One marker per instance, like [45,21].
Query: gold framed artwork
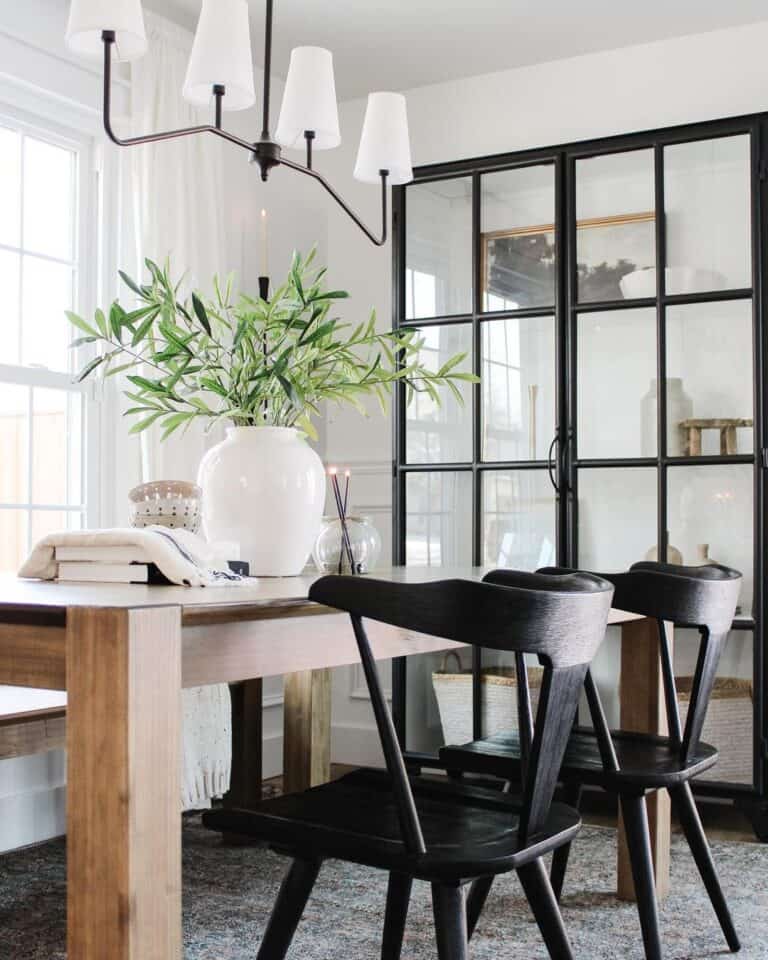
[517,266]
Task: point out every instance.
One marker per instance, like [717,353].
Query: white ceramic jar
[264,487]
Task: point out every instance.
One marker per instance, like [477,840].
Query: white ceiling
[408,43]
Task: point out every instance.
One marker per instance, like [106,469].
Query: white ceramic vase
[264,488]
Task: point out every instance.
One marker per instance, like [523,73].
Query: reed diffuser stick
[346,543]
[344,528]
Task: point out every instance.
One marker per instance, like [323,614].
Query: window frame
[85,261]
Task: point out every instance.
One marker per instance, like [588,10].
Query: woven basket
[453,690]
[728,726]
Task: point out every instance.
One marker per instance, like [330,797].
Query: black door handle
[551,462]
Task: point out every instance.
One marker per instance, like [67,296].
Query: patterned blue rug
[228,892]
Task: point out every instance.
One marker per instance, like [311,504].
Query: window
[43,228]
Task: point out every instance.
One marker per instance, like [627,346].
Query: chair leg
[398,898]
[635,815]
[478,894]
[685,807]
[450,921]
[571,796]
[289,906]
[538,890]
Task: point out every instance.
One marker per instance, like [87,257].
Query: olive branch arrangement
[249,361]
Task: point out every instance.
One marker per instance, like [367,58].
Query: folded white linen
[182,557]
[185,559]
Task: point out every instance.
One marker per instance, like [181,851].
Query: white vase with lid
[679,407]
[264,488]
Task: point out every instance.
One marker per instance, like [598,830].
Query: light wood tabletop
[123,653]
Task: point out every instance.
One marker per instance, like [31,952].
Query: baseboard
[272,755]
[32,817]
[355,745]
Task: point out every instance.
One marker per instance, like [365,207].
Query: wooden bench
[31,721]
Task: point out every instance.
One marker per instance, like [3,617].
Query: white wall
[693,78]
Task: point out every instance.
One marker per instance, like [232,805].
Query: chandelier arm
[378,241]
[108,36]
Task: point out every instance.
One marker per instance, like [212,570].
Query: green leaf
[201,314]
[115,321]
[144,327]
[81,324]
[290,391]
[173,423]
[146,422]
[331,295]
[450,364]
[79,341]
[150,385]
[131,284]
[119,369]
[101,322]
[89,368]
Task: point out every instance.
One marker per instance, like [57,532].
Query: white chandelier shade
[309,101]
[384,142]
[220,74]
[221,55]
[87,19]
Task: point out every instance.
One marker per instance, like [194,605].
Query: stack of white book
[106,565]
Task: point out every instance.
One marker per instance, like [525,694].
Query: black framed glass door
[610,296]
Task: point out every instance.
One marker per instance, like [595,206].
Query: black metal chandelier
[220,73]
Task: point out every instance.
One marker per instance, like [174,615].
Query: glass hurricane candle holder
[330,554]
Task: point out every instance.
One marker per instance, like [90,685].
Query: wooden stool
[692,429]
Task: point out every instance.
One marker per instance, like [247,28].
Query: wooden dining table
[123,653]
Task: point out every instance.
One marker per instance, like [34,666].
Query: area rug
[228,892]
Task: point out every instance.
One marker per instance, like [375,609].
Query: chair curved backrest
[559,618]
[702,597]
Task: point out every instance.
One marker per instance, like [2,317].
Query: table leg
[124,784]
[643,710]
[306,729]
[247,723]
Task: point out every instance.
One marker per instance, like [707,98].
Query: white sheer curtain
[173,208]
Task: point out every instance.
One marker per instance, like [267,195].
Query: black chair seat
[468,830]
[645,761]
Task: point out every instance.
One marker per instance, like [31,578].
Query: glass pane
[438,249]
[438,519]
[48,199]
[441,433]
[13,539]
[431,717]
[518,238]
[709,385]
[518,387]
[10,187]
[10,264]
[518,519]
[46,332]
[616,226]
[710,512]
[729,722]
[53,521]
[616,382]
[56,443]
[617,517]
[14,404]
[707,214]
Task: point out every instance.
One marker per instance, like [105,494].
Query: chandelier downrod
[266,152]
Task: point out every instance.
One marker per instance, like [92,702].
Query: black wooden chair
[631,764]
[430,828]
